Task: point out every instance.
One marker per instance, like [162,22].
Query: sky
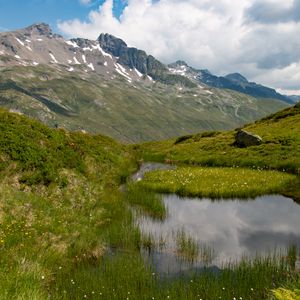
[257,38]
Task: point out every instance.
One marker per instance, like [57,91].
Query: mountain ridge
[80,84]
[233,81]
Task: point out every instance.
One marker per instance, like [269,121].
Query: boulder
[246,139]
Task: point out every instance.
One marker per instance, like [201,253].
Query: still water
[223,231]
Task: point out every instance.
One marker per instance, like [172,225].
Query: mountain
[235,81]
[295,98]
[104,86]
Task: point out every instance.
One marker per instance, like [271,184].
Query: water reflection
[232,228]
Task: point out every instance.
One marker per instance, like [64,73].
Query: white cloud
[221,35]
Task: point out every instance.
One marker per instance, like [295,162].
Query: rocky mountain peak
[131,57]
[178,63]
[111,44]
[236,77]
[82,43]
[39,29]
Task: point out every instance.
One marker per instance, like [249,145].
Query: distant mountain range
[105,86]
[234,81]
[295,98]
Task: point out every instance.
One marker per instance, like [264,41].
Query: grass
[149,202]
[285,294]
[59,204]
[67,232]
[187,247]
[217,182]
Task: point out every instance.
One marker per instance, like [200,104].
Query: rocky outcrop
[82,43]
[246,139]
[131,57]
[39,29]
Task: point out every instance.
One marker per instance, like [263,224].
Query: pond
[210,233]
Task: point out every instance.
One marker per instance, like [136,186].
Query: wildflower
[43,277]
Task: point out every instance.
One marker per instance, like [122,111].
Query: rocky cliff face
[131,57]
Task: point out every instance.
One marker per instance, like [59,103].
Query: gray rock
[246,139]
[131,57]
[39,29]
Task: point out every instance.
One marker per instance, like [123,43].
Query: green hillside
[280,148]
[58,200]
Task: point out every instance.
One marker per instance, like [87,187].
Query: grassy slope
[118,109]
[280,148]
[58,201]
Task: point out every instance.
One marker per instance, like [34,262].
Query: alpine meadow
[127,176]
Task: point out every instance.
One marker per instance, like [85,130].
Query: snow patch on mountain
[20,42]
[53,58]
[73,44]
[122,71]
[209,92]
[91,66]
[76,61]
[102,51]
[87,49]
[138,73]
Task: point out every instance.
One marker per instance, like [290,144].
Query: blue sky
[257,38]
[15,14]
